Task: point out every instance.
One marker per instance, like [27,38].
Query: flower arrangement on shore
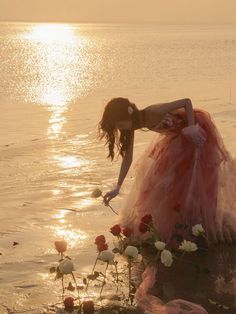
[121,260]
[130,251]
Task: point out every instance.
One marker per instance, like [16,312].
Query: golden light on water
[74,237]
[71,161]
[51,32]
[84,202]
[59,63]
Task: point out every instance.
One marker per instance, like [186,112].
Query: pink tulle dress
[178,181]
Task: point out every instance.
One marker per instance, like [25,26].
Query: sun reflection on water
[59,63]
[51,32]
[71,161]
[74,237]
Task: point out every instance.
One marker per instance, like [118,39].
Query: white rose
[166,258]
[66,266]
[188,246]
[106,256]
[131,251]
[160,245]
[197,230]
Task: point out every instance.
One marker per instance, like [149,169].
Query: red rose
[60,246]
[88,307]
[100,239]
[102,247]
[143,227]
[147,219]
[115,230]
[69,303]
[127,232]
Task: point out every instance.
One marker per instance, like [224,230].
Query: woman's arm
[186,103]
[125,165]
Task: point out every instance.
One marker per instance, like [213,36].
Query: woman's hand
[111,194]
[195,133]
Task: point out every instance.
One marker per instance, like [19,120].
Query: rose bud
[147,219]
[88,307]
[143,227]
[100,239]
[69,304]
[102,247]
[115,230]
[96,193]
[127,232]
[60,246]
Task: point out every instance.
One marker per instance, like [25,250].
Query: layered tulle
[177,181]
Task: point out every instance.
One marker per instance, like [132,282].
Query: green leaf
[212,302]
[116,250]
[177,237]
[179,226]
[52,269]
[96,273]
[58,275]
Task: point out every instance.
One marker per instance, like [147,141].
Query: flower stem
[117,275]
[95,263]
[129,269]
[110,206]
[73,276]
[104,280]
[63,288]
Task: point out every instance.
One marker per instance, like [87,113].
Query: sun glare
[51,32]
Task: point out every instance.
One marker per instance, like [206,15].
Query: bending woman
[185,175]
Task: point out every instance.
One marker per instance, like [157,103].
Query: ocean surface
[55,80]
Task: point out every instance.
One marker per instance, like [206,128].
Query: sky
[160,11]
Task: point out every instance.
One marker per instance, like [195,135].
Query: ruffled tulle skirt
[177,181]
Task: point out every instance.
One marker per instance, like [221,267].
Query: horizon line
[118,22]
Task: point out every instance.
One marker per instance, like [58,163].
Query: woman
[185,176]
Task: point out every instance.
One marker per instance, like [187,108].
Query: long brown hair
[118,109]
